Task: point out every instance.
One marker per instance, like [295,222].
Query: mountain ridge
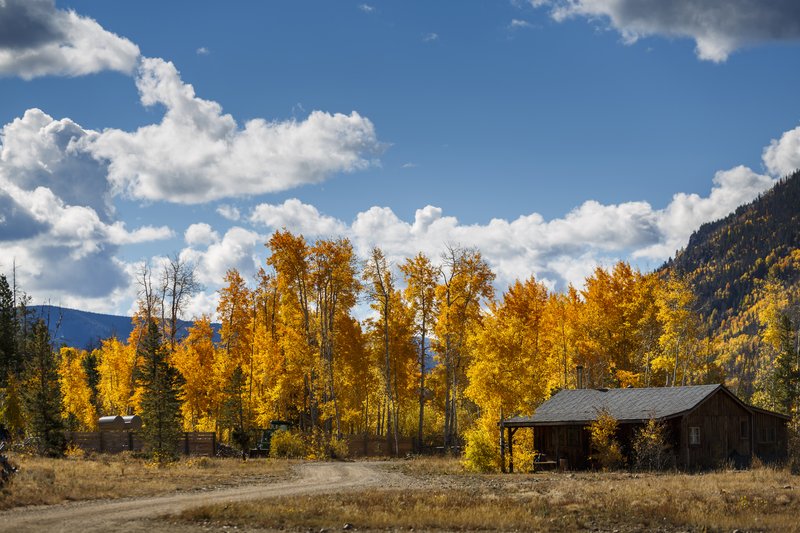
[87,329]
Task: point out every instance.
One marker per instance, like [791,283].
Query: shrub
[74,451]
[287,444]
[480,453]
[338,448]
[650,447]
[606,450]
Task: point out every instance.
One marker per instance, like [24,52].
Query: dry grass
[761,499]
[48,481]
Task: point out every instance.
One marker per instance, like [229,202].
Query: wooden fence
[192,443]
[373,446]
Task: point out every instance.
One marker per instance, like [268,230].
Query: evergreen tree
[42,393]
[786,370]
[8,332]
[90,364]
[233,410]
[161,403]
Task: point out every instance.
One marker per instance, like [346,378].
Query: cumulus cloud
[197,153]
[366,8]
[718,27]
[16,222]
[200,234]
[560,251]
[239,248]
[230,212]
[38,151]
[71,243]
[300,217]
[430,37]
[36,39]
[55,218]
[782,156]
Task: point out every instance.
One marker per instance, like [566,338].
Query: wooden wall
[372,446]
[192,443]
[570,442]
[770,437]
[725,433]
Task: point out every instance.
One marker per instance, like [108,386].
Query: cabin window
[694,436]
[743,429]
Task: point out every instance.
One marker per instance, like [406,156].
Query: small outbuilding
[707,425]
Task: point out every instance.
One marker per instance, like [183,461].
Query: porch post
[502,447]
[511,432]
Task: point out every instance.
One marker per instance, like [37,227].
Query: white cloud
[429,37]
[198,154]
[239,248]
[562,250]
[687,212]
[297,217]
[36,39]
[230,212]
[203,51]
[782,156]
[57,222]
[38,151]
[718,27]
[200,234]
[519,24]
[366,8]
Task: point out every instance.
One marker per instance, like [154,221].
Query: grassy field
[48,481]
[434,494]
[445,498]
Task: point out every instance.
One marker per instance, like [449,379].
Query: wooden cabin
[707,425]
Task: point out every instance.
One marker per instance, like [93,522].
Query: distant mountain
[726,259]
[82,329]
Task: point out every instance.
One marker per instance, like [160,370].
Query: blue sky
[553,135]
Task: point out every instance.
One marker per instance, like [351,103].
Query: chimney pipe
[579,370]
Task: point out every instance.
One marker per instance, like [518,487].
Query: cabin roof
[582,406]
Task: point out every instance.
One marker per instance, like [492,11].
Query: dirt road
[133,515]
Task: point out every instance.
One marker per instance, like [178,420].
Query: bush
[480,453]
[338,448]
[650,447]
[606,450]
[287,445]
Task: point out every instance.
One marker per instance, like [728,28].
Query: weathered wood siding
[373,446]
[570,442]
[769,437]
[193,443]
[724,430]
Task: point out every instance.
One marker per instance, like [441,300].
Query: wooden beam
[511,432]
[502,448]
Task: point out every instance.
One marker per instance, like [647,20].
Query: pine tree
[42,393]
[786,374]
[233,410]
[161,403]
[8,332]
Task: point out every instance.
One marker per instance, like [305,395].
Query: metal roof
[626,405]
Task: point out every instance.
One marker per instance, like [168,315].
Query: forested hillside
[744,269]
